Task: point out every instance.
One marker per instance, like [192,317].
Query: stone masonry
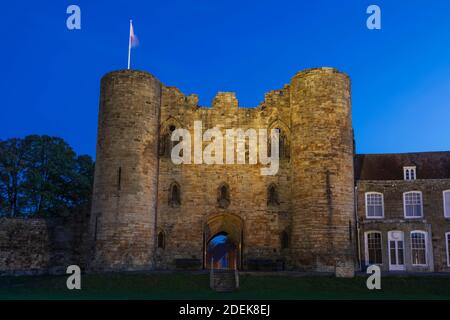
[149,213]
[43,245]
[314,183]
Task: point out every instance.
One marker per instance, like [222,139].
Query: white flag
[132,42]
[133,38]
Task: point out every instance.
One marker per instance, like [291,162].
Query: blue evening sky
[400,75]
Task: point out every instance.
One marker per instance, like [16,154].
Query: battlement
[225,100]
[175,101]
[321,70]
[273,99]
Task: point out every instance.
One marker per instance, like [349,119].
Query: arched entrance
[221,252]
[223,242]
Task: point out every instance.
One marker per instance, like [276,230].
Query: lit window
[412,202]
[409,173]
[447,203]
[374,205]
[419,248]
[373,248]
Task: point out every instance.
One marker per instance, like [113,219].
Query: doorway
[221,252]
[396,250]
[223,242]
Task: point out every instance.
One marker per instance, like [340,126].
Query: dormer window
[409,173]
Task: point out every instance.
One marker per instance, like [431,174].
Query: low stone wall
[43,246]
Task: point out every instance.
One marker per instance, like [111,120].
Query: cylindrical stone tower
[122,225]
[322,172]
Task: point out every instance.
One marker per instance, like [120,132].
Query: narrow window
[223,192]
[119,178]
[165,143]
[96,228]
[419,248]
[283,145]
[162,145]
[447,240]
[412,202]
[447,203]
[223,198]
[284,240]
[373,248]
[350,231]
[272,196]
[374,205]
[174,195]
[409,173]
[161,240]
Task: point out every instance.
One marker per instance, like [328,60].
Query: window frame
[366,247]
[446,214]
[447,246]
[421,205]
[426,247]
[409,169]
[367,207]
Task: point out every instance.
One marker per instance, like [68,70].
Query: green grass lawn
[196,286]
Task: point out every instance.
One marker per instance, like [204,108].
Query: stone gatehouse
[322,211]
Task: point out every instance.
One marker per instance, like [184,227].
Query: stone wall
[124,197]
[41,246]
[322,172]
[184,225]
[316,175]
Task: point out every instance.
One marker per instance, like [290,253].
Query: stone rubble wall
[42,246]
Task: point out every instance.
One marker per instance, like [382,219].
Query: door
[396,251]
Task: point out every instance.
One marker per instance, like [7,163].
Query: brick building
[326,209]
[403,205]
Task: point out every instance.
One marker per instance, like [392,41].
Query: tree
[12,168]
[42,176]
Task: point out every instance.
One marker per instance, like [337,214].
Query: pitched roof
[429,165]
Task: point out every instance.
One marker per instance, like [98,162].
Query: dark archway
[221,252]
[223,242]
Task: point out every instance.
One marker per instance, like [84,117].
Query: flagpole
[129,47]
